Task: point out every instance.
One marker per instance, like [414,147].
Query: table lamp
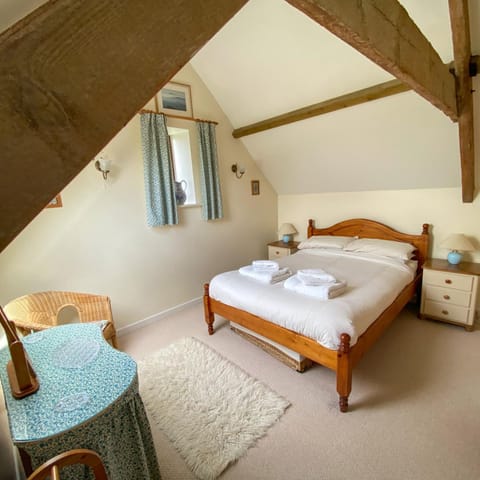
[457,243]
[287,230]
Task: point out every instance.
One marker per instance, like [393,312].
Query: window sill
[190,205]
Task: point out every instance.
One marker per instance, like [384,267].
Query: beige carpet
[415,406]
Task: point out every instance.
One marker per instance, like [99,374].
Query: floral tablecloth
[88,398]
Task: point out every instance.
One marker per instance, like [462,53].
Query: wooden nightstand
[280,249]
[449,292]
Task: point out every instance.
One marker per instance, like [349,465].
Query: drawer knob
[446,297]
[445,312]
[448,281]
[277,253]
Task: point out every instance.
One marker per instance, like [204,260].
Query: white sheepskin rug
[209,408]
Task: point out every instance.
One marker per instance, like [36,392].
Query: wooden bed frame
[346,357]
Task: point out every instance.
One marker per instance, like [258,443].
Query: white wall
[404,210]
[99,241]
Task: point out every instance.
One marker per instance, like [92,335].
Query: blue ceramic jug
[180,192]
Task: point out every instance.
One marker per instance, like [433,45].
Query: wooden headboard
[364,228]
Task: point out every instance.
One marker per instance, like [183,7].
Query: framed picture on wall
[55,202]
[255,187]
[175,99]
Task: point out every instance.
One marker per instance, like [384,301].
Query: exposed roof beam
[385,33]
[474,66]
[459,20]
[344,101]
[72,74]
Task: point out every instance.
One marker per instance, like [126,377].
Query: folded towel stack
[315,276]
[266,273]
[324,291]
[265,265]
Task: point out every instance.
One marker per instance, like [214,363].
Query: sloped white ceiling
[271,59]
[12,11]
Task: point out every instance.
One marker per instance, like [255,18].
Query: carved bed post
[344,372]
[209,316]
[311,225]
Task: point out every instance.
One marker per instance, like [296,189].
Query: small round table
[88,398]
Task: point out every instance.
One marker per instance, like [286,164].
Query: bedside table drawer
[442,311]
[447,279]
[277,252]
[447,295]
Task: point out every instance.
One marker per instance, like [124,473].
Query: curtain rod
[191,119]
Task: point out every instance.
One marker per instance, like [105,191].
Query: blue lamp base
[286,238]
[454,257]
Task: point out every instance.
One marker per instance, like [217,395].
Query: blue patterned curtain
[211,193]
[158,171]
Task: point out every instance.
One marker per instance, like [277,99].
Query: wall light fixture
[102,164]
[238,170]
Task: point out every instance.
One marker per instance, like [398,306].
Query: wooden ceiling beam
[384,32]
[72,74]
[344,101]
[459,20]
[474,66]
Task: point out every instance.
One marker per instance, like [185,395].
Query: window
[183,165]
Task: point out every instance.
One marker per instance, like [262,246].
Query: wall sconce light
[238,171]
[103,165]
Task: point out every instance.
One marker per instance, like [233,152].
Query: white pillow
[325,241]
[385,248]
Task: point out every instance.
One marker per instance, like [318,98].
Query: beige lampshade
[287,229]
[458,241]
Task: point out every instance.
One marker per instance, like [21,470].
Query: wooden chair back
[52,467]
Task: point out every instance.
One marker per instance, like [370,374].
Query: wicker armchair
[39,311]
[51,469]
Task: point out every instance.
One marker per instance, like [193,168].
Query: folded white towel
[266,276]
[263,265]
[322,292]
[315,276]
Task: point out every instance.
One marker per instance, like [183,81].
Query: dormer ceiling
[271,59]
[75,72]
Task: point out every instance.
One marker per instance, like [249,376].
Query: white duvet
[373,283]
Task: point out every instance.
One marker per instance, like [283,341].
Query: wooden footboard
[337,360]
[341,361]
